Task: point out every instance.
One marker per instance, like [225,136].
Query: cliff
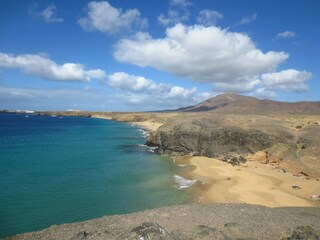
[292,142]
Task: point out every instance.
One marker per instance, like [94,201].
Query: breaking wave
[181,182]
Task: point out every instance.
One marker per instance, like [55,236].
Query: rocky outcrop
[211,137]
[232,137]
[193,222]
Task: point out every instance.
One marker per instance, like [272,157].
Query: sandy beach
[252,183]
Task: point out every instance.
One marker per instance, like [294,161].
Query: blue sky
[122,55]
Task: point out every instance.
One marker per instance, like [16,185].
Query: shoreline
[249,183]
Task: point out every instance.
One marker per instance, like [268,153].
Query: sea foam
[181,182]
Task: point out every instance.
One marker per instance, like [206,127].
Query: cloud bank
[40,66]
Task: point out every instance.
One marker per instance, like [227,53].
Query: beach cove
[252,182]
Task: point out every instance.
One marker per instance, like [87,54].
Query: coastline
[250,183]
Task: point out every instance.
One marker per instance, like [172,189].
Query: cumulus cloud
[41,66]
[124,81]
[133,83]
[286,34]
[247,19]
[202,54]
[101,16]
[139,90]
[209,17]
[49,14]
[289,80]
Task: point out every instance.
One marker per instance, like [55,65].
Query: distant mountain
[235,103]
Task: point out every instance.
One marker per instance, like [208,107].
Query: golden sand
[253,183]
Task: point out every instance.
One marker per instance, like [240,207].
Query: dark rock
[303,233]
[81,235]
[148,230]
[231,224]
[296,187]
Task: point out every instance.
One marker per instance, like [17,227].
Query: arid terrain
[198,222]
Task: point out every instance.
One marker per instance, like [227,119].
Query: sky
[144,55]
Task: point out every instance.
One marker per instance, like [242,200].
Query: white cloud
[286,34]
[289,80]
[178,12]
[209,17]
[124,81]
[40,66]
[133,83]
[263,93]
[173,17]
[180,92]
[247,19]
[103,17]
[49,15]
[139,91]
[182,3]
[241,86]
[202,54]
[176,97]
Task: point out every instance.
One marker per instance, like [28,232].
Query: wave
[181,182]
[150,149]
[180,165]
[144,133]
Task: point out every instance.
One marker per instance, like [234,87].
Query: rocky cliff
[231,136]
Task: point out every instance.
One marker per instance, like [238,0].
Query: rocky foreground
[187,222]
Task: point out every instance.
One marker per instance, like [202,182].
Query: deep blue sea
[58,170]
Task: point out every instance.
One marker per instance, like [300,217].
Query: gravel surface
[212,221]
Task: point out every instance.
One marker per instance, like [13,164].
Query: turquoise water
[55,171]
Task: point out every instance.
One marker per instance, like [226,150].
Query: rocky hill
[234,103]
[193,222]
[292,141]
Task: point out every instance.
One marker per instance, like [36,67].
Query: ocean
[59,170]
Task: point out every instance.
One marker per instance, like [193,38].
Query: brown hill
[234,103]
